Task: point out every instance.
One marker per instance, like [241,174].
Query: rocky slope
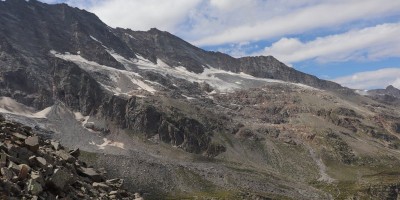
[178,122]
[36,168]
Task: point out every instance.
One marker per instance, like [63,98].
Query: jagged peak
[391,87]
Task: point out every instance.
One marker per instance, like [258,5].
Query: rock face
[390,95]
[30,72]
[48,174]
[155,44]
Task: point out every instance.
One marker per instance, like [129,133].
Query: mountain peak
[391,87]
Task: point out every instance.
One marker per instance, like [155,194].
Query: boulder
[38,177]
[65,156]
[75,153]
[6,173]
[56,145]
[34,187]
[101,186]
[19,155]
[3,159]
[91,173]
[41,162]
[24,171]
[115,183]
[60,179]
[18,136]
[32,143]
[14,167]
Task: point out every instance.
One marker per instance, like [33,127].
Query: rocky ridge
[36,168]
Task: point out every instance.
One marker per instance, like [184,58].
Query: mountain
[178,122]
[389,95]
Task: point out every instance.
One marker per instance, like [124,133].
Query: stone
[75,153]
[18,136]
[138,196]
[65,156]
[19,155]
[3,159]
[56,145]
[91,173]
[6,173]
[60,179]
[38,177]
[116,183]
[11,187]
[23,172]
[3,147]
[32,143]
[101,185]
[14,167]
[34,187]
[41,162]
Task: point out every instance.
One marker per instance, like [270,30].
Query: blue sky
[353,42]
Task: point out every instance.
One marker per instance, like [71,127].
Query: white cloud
[372,79]
[142,15]
[231,22]
[214,22]
[396,83]
[370,43]
[263,22]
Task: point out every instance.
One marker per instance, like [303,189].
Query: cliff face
[31,74]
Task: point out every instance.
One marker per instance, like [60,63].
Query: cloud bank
[372,79]
[370,43]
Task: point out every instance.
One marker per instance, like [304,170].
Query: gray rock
[3,159]
[91,173]
[6,173]
[14,167]
[38,177]
[34,187]
[102,186]
[115,183]
[18,136]
[60,179]
[32,143]
[41,162]
[65,156]
[75,153]
[56,145]
[19,154]
[24,171]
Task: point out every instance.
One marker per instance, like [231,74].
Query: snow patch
[221,80]
[188,98]
[95,39]
[10,106]
[115,75]
[108,142]
[362,92]
[83,119]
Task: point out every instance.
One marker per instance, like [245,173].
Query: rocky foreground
[36,168]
